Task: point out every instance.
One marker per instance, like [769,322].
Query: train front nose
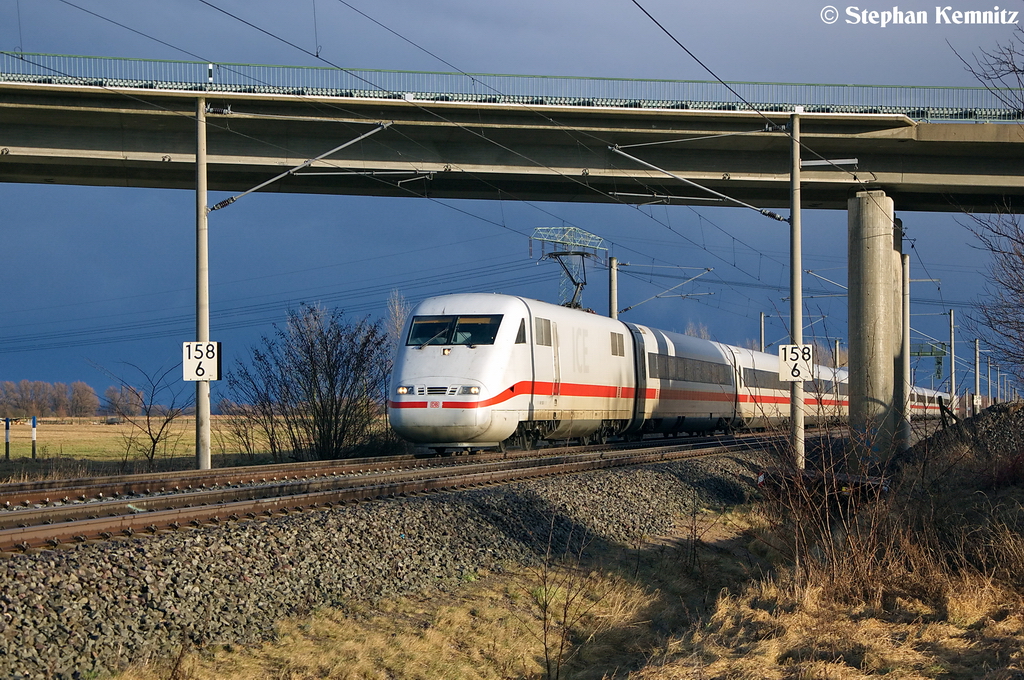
[432,420]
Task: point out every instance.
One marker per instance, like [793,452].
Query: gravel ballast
[89,609]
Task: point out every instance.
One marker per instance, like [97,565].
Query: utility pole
[952,363]
[203,460]
[988,378]
[762,331]
[613,287]
[976,402]
[904,431]
[796,303]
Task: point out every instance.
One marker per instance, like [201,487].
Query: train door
[640,379]
[737,380]
[545,363]
[556,387]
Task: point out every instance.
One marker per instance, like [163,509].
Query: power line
[317,56]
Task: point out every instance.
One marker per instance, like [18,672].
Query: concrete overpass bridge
[231,127]
[92,121]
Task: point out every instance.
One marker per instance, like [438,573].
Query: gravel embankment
[993,433]
[84,610]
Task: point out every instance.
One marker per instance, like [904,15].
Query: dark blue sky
[101,276]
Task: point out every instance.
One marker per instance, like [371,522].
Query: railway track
[47,514]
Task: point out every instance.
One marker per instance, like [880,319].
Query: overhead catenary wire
[678,285]
[244,317]
[641,211]
[449,205]
[271,34]
[753,108]
[724,197]
[429,111]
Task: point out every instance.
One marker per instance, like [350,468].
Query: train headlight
[469,389]
[406,389]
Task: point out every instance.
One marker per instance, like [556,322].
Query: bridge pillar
[875,328]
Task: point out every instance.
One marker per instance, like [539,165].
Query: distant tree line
[42,399]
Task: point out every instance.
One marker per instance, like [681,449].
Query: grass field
[82,446]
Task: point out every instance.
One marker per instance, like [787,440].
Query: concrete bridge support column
[875,328]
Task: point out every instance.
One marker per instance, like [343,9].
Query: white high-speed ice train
[482,370]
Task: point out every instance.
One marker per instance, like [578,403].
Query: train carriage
[481,370]
[687,384]
[535,372]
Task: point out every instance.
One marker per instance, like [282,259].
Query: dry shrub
[943,522]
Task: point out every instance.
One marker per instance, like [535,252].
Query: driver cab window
[454,330]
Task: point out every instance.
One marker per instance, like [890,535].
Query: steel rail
[44,492]
[80,511]
[220,508]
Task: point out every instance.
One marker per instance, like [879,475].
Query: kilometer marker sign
[796,363]
[200,360]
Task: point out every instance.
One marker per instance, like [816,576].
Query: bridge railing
[921,103]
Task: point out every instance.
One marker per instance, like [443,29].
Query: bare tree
[697,329]
[1001,70]
[60,400]
[825,354]
[1001,311]
[149,407]
[256,389]
[317,385]
[123,400]
[32,397]
[398,312]
[84,402]
[36,398]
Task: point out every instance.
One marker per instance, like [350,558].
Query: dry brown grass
[778,631]
[923,581]
[652,619]
[628,602]
[489,630]
[926,581]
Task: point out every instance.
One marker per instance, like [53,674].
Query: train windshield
[454,330]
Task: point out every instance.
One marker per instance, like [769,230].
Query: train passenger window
[618,345]
[665,367]
[521,335]
[765,380]
[543,332]
[453,330]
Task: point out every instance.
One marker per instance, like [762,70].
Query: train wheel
[439,450]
